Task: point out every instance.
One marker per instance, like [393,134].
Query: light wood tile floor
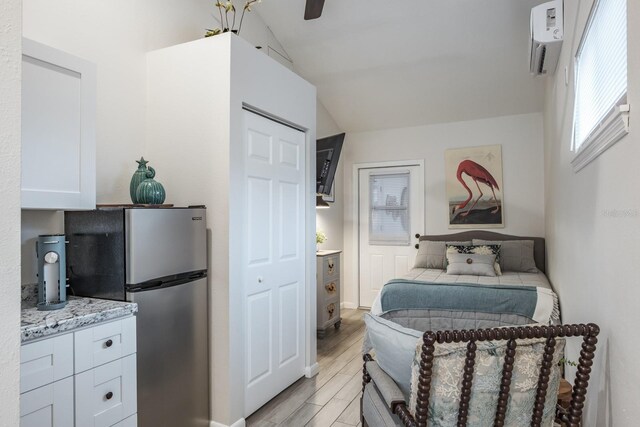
[331,398]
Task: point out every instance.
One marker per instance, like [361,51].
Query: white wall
[330,220]
[593,230]
[10,58]
[116,35]
[35,223]
[521,138]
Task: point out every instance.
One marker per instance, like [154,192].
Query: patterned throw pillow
[479,250]
[447,377]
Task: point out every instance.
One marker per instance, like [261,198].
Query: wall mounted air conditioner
[547,32]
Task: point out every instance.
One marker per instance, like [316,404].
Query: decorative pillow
[480,250]
[472,264]
[432,254]
[395,348]
[448,370]
[515,255]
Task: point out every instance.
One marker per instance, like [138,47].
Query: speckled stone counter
[77,313]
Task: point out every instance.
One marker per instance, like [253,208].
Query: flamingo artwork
[479,175]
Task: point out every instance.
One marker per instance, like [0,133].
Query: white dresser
[328,283]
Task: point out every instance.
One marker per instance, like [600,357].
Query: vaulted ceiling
[384,64]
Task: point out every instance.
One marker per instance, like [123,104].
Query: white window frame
[611,128]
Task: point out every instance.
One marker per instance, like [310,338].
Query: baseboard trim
[311,371]
[240,423]
[348,305]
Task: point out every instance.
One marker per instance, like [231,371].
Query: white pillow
[395,347]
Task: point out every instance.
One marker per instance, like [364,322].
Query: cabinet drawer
[46,361]
[329,313]
[330,290]
[48,406]
[106,395]
[331,267]
[104,343]
[132,421]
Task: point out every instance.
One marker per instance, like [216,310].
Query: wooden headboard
[538,242]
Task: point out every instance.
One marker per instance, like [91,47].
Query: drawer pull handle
[330,309]
[331,287]
[330,266]
[109,343]
[109,395]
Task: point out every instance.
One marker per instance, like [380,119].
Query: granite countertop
[77,313]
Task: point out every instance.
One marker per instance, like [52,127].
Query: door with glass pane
[391,212]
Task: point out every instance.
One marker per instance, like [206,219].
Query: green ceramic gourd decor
[138,176]
[150,191]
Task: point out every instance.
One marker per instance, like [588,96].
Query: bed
[431,299]
[463,307]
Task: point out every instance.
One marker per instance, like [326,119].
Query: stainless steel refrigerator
[157,258]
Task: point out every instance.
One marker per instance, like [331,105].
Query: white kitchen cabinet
[103,391]
[46,361]
[48,406]
[58,129]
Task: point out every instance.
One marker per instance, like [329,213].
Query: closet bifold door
[274,261]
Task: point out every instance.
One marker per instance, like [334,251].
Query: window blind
[601,68]
[389,209]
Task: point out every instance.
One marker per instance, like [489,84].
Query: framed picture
[331,197]
[474,187]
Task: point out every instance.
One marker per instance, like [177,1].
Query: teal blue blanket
[533,302]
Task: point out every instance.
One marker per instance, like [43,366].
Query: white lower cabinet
[103,391]
[48,406]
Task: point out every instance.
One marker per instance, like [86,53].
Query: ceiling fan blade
[313,9]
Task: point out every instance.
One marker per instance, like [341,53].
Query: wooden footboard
[573,416]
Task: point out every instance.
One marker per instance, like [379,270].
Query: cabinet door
[58,129]
[48,406]
[45,361]
[106,395]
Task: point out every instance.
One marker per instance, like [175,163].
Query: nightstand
[328,293]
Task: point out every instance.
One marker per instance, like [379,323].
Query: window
[389,209]
[600,115]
